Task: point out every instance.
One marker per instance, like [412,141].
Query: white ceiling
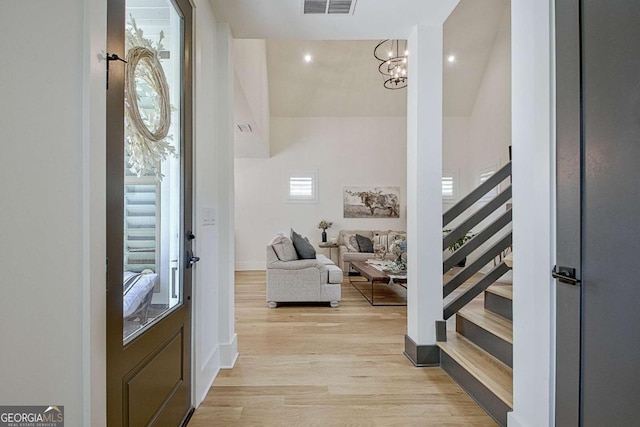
[469,34]
[372,19]
[342,79]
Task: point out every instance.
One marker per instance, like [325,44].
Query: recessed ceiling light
[307,58]
[451,58]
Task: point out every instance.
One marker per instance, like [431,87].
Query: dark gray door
[149,212]
[569,153]
[605,147]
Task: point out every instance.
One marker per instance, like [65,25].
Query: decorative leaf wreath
[146,130]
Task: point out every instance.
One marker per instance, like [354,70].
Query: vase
[324,236]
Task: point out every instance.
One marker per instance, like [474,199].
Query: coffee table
[380,280]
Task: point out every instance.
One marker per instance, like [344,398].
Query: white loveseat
[302,280]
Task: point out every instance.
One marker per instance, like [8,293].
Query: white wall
[251,93]
[481,139]
[473,143]
[52,190]
[210,313]
[490,121]
[533,216]
[456,154]
[52,131]
[349,151]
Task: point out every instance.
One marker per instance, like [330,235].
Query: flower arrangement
[324,224]
[399,249]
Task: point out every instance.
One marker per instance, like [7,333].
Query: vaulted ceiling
[342,79]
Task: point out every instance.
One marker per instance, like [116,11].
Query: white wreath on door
[146,129]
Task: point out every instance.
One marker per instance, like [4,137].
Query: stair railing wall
[490,232]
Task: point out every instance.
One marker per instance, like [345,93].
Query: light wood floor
[311,365]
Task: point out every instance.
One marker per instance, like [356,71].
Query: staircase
[478,351]
[477,348]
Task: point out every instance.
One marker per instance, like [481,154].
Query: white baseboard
[250,266]
[229,353]
[512,421]
[206,376]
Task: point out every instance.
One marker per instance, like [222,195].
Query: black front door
[598,106]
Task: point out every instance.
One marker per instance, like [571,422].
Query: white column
[225,166]
[533,213]
[424,191]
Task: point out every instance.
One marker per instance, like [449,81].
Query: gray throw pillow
[365,243]
[304,249]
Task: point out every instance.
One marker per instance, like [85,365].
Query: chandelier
[392,55]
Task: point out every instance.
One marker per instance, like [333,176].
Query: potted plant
[458,243]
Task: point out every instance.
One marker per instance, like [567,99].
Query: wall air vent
[328,7]
[245,128]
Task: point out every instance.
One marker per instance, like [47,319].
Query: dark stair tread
[489,371]
[502,290]
[493,323]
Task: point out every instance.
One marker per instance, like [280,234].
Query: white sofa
[302,280]
[346,252]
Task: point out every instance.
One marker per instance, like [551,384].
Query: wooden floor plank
[311,365]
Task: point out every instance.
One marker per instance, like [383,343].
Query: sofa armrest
[342,249]
[294,265]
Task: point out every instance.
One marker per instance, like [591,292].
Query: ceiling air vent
[315,6]
[340,6]
[328,7]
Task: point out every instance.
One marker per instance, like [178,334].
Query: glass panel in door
[152,283]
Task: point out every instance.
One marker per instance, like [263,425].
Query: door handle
[565,275]
[191,259]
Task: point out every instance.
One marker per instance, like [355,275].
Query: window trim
[309,173]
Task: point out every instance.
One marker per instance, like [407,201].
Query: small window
[449,185]
[485,174]
[301,187]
